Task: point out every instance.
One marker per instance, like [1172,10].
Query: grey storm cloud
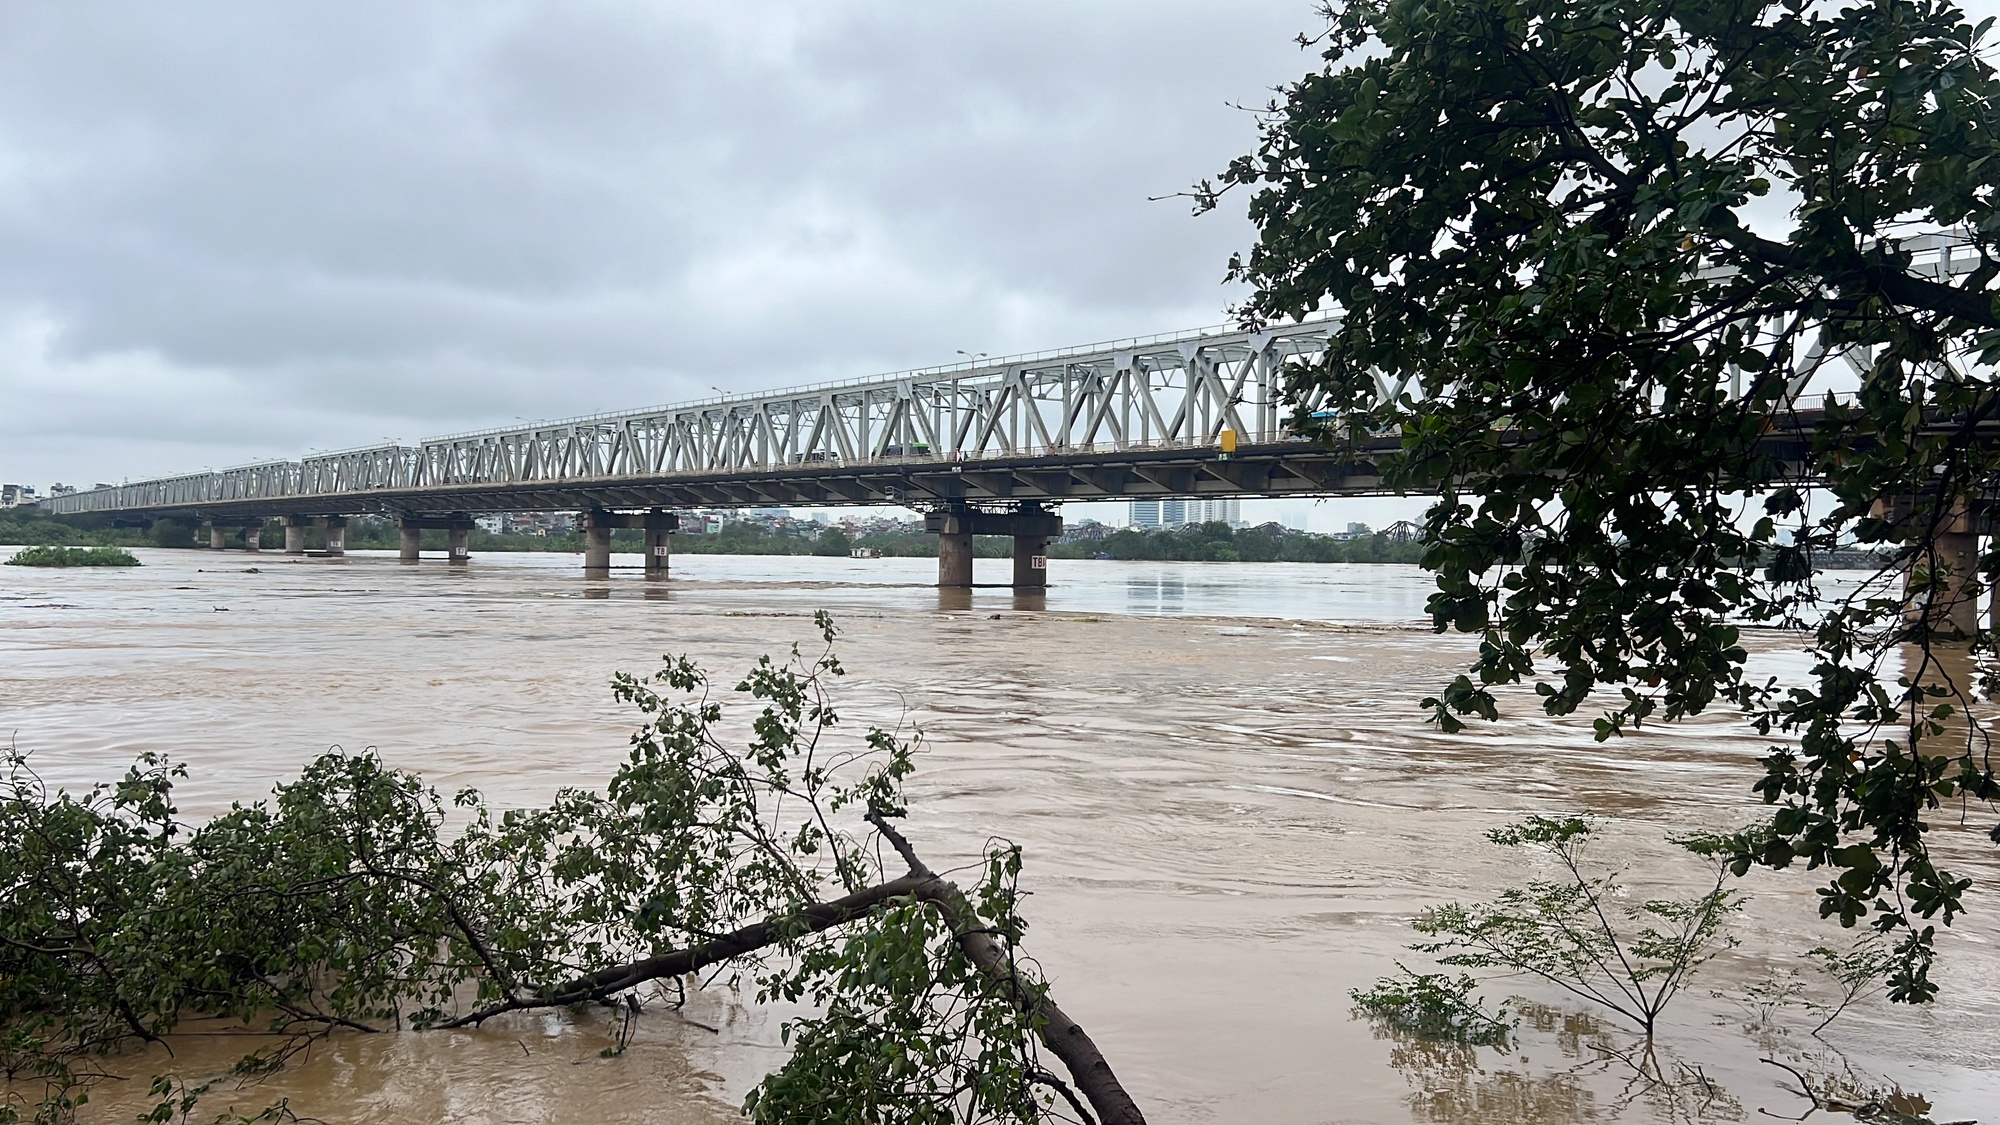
[233,230]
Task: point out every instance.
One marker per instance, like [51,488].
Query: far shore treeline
[1210,542]
[1207,542]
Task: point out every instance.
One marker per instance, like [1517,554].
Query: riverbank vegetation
[1610,254]
[1218,542]
[746,829]
[72,556]
[1208,542]
[34,527]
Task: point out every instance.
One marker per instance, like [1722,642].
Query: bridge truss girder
[1284,469]
[1045,426]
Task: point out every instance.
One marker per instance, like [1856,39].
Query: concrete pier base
[658,526]
[597,550]
[336,536]
[295,536]
[1031,549]
[457,527]
[1957,610]
[1943,586]
[1030,524]
[253,537]
[955,559]
[659,552]
[458,544]
[1993,594]
[217,537]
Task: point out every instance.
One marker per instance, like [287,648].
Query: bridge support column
[295,535]
[457,528]
[336,536]
[596,525]
[458,544]
[1031,525]
[253,537]
[660,527]
[1951,604]
[1958,556]
[953,527]
[659,552]
[1992,589]
[1031,549]
[217,537]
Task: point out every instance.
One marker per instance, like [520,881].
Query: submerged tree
[1600,265]
[359,900]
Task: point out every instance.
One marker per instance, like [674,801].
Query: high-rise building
[1149,514]
[1228,511]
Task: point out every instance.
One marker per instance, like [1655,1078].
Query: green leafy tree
[1590,261]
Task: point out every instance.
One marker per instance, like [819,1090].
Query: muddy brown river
[1230,806]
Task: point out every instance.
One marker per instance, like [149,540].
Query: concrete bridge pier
[597,549]
[596,525]
[457,528]
[658,526]
[659,552]
[1951,605]
[953,527]
[217,537]
[1958,553]
[1031,546]
[1030,524]
[295,535]
[253,537]
[336,535]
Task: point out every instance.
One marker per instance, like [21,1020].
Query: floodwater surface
[1230,806]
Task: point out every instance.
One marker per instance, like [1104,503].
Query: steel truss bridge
[1132,419]
[1139,418]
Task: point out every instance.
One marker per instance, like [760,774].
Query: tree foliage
[1575,933]
[1589,260]
[358,899]
[71,556]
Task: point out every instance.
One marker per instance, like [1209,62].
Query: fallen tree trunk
[608,982]
[1063,1036]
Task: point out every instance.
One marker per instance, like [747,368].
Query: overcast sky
[232,231]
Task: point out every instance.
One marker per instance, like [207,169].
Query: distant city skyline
[1175,513]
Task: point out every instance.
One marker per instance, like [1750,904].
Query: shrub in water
[72,556]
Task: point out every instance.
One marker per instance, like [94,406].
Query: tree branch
[606,982]
[1974,306]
